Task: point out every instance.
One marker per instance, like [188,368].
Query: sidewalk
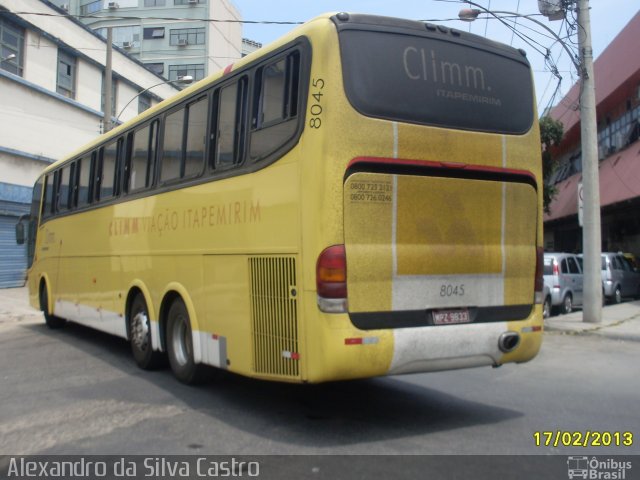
[14,306]
[619,322]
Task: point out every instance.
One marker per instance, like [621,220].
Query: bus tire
[140,335]
[180,345]
[51,320]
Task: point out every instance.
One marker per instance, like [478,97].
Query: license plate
[451,317]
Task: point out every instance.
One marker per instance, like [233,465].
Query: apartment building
[52,102]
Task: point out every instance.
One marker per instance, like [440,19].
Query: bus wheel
[51,320]
[180,345]
[140,335]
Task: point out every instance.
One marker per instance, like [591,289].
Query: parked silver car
[563,277]
[619,278]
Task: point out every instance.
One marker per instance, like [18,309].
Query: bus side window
[84,178]
[231,102]
[108,176]
[172,145]
[196,137]
[63,191]
[275,106]
[141,158]
[48,195]
[34,219]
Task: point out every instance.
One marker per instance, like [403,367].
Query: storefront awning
[619,181]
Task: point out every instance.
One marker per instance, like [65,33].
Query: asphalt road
[77,391]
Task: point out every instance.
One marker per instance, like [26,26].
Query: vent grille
[274,312]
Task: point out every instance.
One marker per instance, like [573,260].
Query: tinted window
[231,101]
[48,195]
[563,266]
[142,157]
[196,137]
[273,92]
[548,266]
[604,263]
[109,168]
[573,266]
[624,263]
[63,189]
[34,217]
[275,106]
[227,122]
[436,81]
[616,263]
[172,146]
[84,179]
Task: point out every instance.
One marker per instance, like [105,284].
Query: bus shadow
[325,415]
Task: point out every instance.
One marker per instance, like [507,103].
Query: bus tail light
[331,279]
[539,282]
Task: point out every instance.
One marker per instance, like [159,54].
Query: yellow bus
[360,198]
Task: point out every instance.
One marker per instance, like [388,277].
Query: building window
[124,37]
[66,84]
[154,3]
[194,70]
[11,43]
[152,33]
[144,103]
[188,36]
[187,2]
[91,7]
[157,68]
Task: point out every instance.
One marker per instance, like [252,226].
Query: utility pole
[108,82]
[591,233]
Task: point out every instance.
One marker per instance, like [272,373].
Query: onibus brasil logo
[597,469]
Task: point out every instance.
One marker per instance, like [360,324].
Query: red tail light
[556,271]
[331,280]
[331,272]
[539,282]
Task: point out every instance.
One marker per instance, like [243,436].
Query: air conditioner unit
[182,42]
[127,45]
[113,5]
[193,2]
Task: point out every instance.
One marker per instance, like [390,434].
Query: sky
[608,18]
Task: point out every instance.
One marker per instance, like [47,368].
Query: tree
[551,132]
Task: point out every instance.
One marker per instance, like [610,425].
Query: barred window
[11,47]
[66,84]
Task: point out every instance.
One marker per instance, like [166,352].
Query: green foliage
[551,132]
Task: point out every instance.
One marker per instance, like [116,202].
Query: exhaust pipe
[508,341]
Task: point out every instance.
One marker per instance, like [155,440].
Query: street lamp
[471,14]
[184,80]
[11,56]
[591,234]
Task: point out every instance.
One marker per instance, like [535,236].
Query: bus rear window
[439,82]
